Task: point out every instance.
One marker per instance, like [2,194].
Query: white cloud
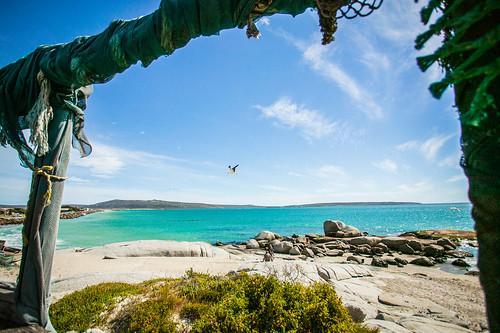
[421,186]
[409,145]
[428,148]
[431,147]
[328,171]
[310,122]
[387,165]
[274,188]
[374,59]
[315,56]
[109,161]
[104,161]
[398,21]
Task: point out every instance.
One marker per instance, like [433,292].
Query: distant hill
[160,204]
[156,204]
[383,203]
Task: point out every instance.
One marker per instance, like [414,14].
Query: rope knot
[46,171]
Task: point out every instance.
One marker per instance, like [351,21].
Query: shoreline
[13,216]
[390,298]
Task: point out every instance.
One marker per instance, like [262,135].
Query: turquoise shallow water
[233,225]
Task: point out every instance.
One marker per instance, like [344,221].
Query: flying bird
[232,170]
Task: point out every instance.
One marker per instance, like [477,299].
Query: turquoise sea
[234,225]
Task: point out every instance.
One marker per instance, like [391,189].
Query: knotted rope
[44,172]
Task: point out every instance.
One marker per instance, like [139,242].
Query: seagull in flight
[232,170]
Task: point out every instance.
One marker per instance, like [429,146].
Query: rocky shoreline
[9,216]
[424,248]
[379,283]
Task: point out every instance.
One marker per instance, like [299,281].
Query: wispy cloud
[373,58]
[316,57]
[108,161]
[421,186]
[387,165]
[428,148]
[399,22]
[295,174]
[450,161]
[330,170]
[309,122]
[274,188]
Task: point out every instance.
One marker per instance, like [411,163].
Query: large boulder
[423,261]
[383,248]
[332,228]
[445,242]
[308,253]
[416,245]
[263,243]
[355,259]
[281,247]
[434,251]
[379,262]
[252,244]
[158,248]
[372,241]
[406,249]
[265,235]
[294,251]
[363,249]
[394,243]
[460,263]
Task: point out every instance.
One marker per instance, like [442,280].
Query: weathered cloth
[46,92]
[57,72]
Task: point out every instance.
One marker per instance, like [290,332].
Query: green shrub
[82,309]
[237,304]
[153,316]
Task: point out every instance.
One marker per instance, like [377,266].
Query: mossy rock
[204,303]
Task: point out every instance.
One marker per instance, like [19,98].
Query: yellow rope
[44,171]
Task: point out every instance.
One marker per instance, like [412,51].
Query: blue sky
[352,121]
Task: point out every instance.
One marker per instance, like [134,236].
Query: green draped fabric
[96,59]
[46,92]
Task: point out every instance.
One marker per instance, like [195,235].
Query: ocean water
[235,225]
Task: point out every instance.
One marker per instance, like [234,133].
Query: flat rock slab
[339,272]
[418,305]
[394,300]
[385,326]
[422,324]
[158,248]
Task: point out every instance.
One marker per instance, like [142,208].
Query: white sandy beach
[407,299]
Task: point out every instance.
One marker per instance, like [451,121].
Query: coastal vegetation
[203,303]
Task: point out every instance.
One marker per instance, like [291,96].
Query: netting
[331,10]
[358,8]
